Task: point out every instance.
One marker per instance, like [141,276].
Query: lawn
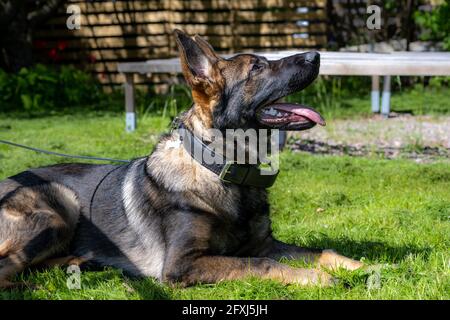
[392,212]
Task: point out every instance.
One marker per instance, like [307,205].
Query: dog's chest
[245,229]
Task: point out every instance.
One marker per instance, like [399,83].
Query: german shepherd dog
[166,216]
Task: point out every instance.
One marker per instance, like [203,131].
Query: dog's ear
[206,47]
[196,59]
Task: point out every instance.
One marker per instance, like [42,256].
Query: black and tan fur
[164,215]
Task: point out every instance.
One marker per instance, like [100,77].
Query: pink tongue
[300,110]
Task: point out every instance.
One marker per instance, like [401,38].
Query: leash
[91,203]
[61,154]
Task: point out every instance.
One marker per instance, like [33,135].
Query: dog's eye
[257,67]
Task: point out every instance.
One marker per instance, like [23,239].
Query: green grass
[392,212]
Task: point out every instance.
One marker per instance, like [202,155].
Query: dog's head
[241,92]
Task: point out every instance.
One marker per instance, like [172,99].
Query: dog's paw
[333,261]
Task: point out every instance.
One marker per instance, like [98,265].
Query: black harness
[228,171]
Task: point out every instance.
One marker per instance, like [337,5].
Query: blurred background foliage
[41,88]
[51,88]
[435,24]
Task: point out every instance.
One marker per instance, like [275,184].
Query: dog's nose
[312,57]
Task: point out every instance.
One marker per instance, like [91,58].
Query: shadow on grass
[376,251]
[150,289]
[30,287]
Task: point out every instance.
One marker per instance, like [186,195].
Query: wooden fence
[125,31]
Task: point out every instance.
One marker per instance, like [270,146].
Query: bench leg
[386,99]
[130,112]
[375,94]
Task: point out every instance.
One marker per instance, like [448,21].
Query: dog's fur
[164,215]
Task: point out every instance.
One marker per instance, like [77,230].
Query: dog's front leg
[328,258]
[212,269]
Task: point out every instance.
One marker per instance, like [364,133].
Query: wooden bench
[374,65]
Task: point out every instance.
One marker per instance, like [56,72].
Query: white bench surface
[333,63]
